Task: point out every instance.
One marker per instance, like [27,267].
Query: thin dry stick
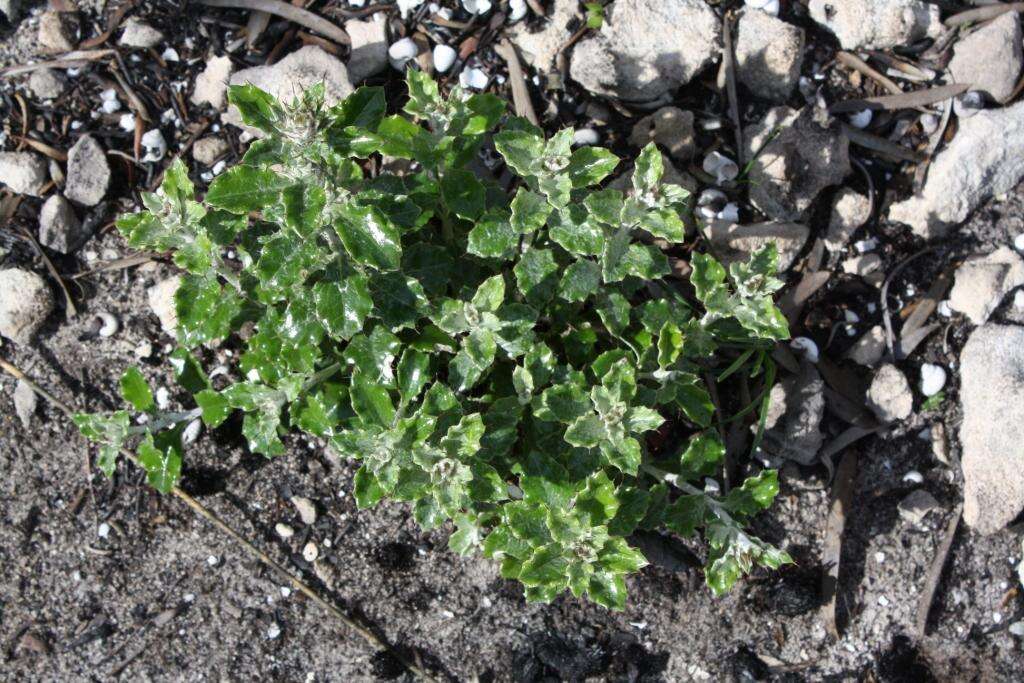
[983,13]
[832,547]
[53,271]
[517,80]
[729,67]
[65,61]
[924,605]
[292,13]
[854,62]
[909,100]
[368,635]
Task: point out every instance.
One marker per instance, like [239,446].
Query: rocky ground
[880,143]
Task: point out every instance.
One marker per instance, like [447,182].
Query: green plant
[513,365]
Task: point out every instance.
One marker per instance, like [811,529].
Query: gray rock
[850,210]
[877,24]
[992,431]
[738,242]
[795,414]
[55,35]
[207,150]
[211,85]
[863,264]
[807,154]
[990,58]
[670,127]
[161,302]
[25,403]
[985,159]
[369,49]
[293,74]
[889,395]
[981,283]
[869,349]
[769,53]
[647,48]
[88,172]
[59,227]
[23,172]
[46,84]
[916,505]
[25,302]
[538,48]
[138,33]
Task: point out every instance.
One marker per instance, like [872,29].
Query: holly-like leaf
[537,275]
[342,307]
[135,390]
[369,237]
[245,188]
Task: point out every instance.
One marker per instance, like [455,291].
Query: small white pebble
[170,55]
[212,560]
[639,625]
[997,617]
[1018,299]
[730,213]
[944,309]
[109,325]
[1018,242]
[929,123]
[163,398]
[721,167]
[126,122]
[75,125]
[444,57]
[189,597]
[310,552]
[879,557]
[283,530]
[103,531]
[883,601]
[1017,629]
[933,379]
[191,432]
[110,103]
[156,146]
[273,631]
[477,6]
[401,51]
[861,119]
[473,78]
[516,10]
[913,477]
[864,246]
[218,167]
[285,591]
[805,346]
[585,136]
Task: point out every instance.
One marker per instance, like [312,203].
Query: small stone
[985,159]
[869,349]
[46,84]
[369,49]
[739,242]
[916,506]
[138,33]
[862,265]
[310,552]
[59,227]
[990,58]
[933,379]
[992,431]
[306,509]
[284,531]
[982,282]
[877,24]
[889,396]
[208,150]
[796,409]
[161,302]
[850,210]
[23,172]
[401,52]
[273,631]
[55,33]
[25,403]
[289,77]
[88,172]
[796,155]
[153,142]
[670,127]
[769,53]
[539,48]
[647,48]
[444,57]
[212,84]
[25,303]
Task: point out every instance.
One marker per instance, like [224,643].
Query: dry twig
[517,81]
[292,13]
[931,584]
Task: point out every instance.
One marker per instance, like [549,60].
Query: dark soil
[105,579]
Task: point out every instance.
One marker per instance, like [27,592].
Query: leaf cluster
[507,358]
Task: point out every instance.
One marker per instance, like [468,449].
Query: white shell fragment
[401,51]
[473,78]
[170,55]
[155,145]
[444,57]
[126,122]
[191,432]
[722,167]
[933,378]
[109,102]
[406,6]
[861,119]
[310,552]
[477,6]
[516,10]
[585,136]
[805,346]
[913,477]
[1018,242]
